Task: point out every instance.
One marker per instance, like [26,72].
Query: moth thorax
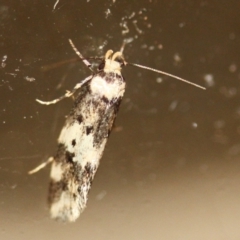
[112,66]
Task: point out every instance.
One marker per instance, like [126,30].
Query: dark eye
[101,66]
[119,60]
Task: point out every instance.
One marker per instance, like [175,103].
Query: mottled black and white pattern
[83,139]
[85,133]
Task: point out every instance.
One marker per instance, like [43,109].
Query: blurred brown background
[171,170]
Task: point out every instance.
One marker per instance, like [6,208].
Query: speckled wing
[81,144]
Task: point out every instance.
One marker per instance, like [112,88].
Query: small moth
[83,138]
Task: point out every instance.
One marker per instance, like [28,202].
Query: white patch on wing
[69,133]
[56,172]
[84,150]
[111,90]
[65,204]
[72,181]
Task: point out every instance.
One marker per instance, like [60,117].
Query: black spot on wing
[105,123]
[89,172]
[80,118]
[76,114]
[73,142]
[105,99]
[85,89]
[60,155]
[69,156]
[88,168]
[89,129]
[55,190]
[109,77]
[87,176]
[116,105]
[114,102]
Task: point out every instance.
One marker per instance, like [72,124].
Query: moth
[85,133]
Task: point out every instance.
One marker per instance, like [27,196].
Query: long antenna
[167,74]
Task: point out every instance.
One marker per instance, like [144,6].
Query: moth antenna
[125,42]
[85,61]
[123,46]
[167,74]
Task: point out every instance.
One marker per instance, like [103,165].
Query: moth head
[113,62]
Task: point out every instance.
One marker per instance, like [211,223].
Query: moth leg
[41,166]
[67,94]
